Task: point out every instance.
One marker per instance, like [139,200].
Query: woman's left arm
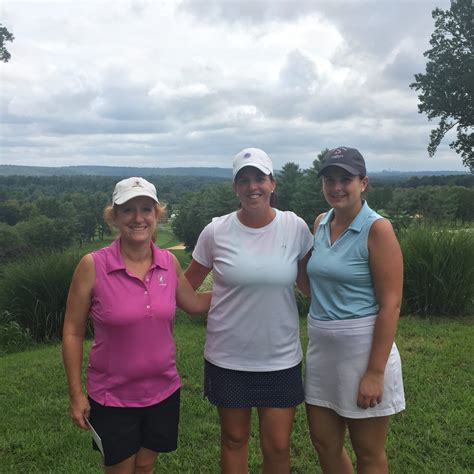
[186,297]
[386,266]
[302,280]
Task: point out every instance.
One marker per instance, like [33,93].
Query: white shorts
[337,358]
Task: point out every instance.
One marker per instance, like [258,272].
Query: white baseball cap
[252,157]
[131,188]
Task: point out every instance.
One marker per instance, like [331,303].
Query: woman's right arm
[186,296]
[196,273]
[77,311]
[302,279]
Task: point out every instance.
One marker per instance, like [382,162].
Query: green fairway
[434,434]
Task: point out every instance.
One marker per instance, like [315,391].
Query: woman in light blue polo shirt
[353,374]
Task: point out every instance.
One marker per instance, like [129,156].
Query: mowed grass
[434,434]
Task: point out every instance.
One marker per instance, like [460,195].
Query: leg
[327,430]
[368,437]
[127,466]
[235,432]
[275,431]
[141,463]
[145,461]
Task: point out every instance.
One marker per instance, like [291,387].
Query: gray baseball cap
[346,158]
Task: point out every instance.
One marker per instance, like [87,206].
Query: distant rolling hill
[11,170]
[14,170]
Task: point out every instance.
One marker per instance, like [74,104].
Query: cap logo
[247,155]
[339,153]
[137,184]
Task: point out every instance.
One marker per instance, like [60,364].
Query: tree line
[40,214]
[440,199]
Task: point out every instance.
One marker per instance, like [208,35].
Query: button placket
[146,294]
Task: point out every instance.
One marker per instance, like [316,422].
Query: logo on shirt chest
[161,281]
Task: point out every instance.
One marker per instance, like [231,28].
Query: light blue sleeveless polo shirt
[339,274]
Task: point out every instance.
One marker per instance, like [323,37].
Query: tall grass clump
[439,271]
[13,338]
[302,303]
[33,294]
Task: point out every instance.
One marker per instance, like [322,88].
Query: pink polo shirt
[132,362]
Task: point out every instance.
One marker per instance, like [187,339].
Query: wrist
[375,372]
[76,394]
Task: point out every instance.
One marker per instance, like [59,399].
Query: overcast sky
[191,83]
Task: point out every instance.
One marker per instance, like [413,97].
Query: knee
[324,445]
[320,445]
[275,447]
[144,468]
[234,440]
[368,456]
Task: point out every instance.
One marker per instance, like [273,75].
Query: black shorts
[241,389]
[123,431]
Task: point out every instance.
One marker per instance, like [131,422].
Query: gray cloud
[246,11]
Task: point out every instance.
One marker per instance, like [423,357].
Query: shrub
[11,243]
[33,293]
[439,271]
[43,233]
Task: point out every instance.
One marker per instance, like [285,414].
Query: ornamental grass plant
[33,293]
[13,338]
[438,271]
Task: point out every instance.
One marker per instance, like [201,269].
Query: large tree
[196,210]
[5,35]
[308,200]
[447,87]
[287,184]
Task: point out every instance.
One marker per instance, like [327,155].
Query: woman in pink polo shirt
[130,289]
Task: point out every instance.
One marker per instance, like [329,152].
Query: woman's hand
[79,407]
[370,390]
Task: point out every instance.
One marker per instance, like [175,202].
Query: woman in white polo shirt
[253,352]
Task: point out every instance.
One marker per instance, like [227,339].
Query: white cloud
[186,83]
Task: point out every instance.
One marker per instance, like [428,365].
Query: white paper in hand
[95,436]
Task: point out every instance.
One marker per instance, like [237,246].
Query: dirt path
[177,247]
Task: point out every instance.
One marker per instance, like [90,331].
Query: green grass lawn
[433,435]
